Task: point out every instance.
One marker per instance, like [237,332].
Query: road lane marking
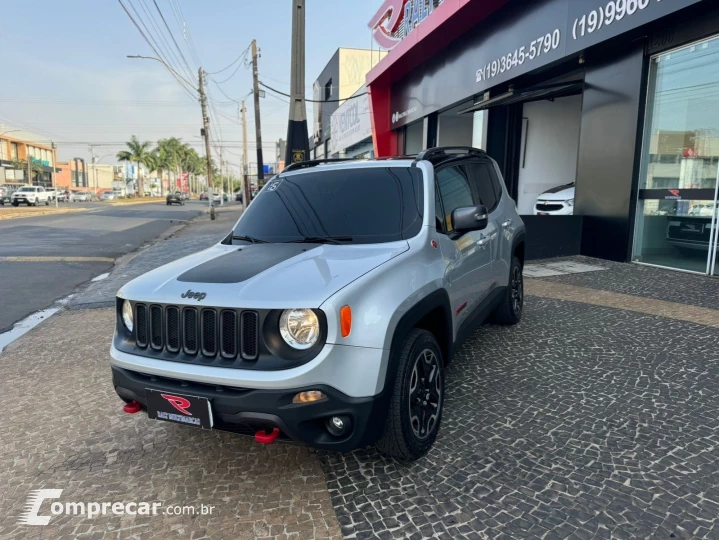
[57,259]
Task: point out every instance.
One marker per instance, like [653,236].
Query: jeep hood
[271,276]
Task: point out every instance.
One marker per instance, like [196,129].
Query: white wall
[414,138]
[454,129]
[551,134]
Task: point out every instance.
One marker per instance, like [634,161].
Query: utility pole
[94,168]
[29,165]
[298,145]
[222,178]
[245,177]
[206,129]
[52,174]
[258,128]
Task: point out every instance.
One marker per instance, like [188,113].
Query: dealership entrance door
[676,223]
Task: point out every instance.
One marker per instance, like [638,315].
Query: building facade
[613,102]
[340,79]
[352,128]
[73,175]
[21,150]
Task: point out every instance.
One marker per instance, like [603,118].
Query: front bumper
[245,411]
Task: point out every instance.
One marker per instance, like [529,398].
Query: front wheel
[47,202]
[415,409]
[509,312]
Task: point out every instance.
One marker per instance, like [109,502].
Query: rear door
[469,255]
[490,194]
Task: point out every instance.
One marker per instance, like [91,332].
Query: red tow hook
[132,407]
[263,437]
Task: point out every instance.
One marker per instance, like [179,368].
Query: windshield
[27,189]
[359,206]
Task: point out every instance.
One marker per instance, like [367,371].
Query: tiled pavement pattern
[63,427]
[584,421]
[647,281]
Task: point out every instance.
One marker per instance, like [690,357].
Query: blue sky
[66,75]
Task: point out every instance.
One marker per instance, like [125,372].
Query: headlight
[300,328]
[570,202]
[127,317]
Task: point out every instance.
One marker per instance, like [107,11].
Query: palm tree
[137,152]
[165,158]
[152,163]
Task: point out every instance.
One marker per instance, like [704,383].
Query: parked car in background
[238,196]
[65,196]
[203,196]
[5,194]
[174,198]
[185,196]
[82,196]
[108,196]
[558,201]
[52,193]
[31,196]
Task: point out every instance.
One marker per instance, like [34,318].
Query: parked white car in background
[558,201]
[108,196]
[81,196]
[30,195]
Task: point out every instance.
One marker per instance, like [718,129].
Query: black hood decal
[243,264]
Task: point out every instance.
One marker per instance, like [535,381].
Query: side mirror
[470,218]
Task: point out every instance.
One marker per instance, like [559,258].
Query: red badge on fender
[180,403]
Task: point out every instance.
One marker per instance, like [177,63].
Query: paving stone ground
[596,417]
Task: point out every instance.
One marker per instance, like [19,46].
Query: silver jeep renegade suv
[328,315]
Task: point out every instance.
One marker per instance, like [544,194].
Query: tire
[14,203]
[410,430]
[47,202]
[509,312]
[36,202]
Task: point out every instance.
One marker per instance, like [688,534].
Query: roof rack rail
[441,151]
[314,163]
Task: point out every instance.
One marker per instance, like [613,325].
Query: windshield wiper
[322,240]
[250,239]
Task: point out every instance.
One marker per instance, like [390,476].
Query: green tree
[137,152]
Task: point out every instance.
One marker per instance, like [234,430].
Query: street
[32,272]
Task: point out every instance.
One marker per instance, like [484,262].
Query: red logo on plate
[674,192]
[179,403]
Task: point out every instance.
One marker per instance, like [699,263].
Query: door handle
[507,223]
[483,241]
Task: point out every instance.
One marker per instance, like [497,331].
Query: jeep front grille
[206,333]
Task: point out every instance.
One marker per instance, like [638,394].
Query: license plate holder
[179,408]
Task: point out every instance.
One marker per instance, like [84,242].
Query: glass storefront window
[680,161]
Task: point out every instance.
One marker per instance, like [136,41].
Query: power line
[314,100]
[176,75]
[171,34]
[242,55]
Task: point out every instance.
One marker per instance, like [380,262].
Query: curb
[43,213]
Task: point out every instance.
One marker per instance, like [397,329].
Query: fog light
[339,425]
[309,397]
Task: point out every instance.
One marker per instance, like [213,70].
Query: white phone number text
[615,10]
[536,48]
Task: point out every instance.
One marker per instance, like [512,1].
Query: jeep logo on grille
[199,296]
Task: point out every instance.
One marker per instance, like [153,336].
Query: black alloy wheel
[517,291]
[425,394]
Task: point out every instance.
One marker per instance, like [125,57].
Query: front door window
[676,216]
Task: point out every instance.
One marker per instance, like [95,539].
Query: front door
[470,255]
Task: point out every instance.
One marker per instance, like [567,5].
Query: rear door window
[455,189]
[483,184]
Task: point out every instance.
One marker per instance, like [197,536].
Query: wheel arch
[519,247]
